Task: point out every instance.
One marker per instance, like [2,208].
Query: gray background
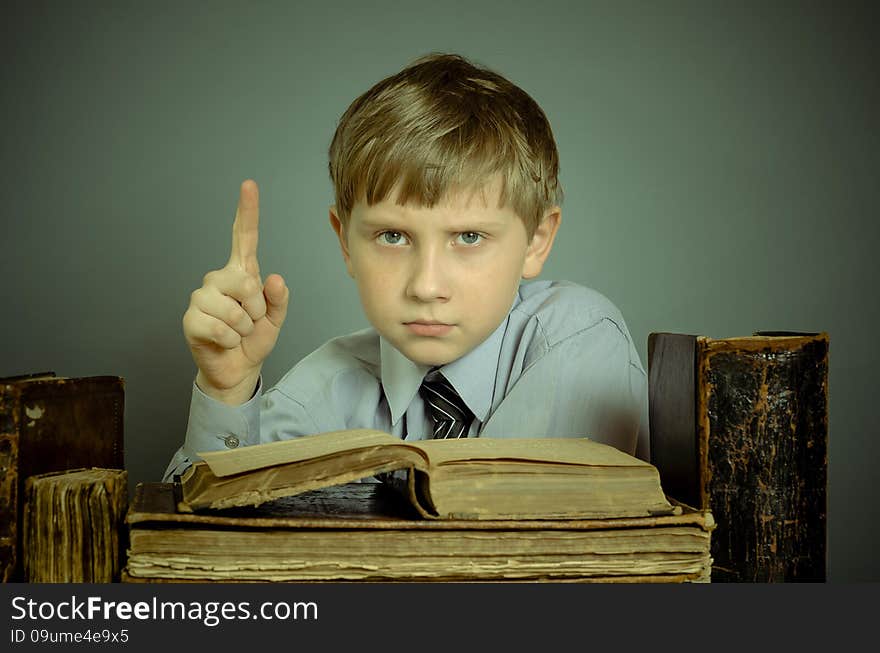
[720,164]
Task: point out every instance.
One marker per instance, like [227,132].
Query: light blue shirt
[562,364]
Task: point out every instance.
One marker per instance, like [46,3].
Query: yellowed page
[573,451]
[243,459]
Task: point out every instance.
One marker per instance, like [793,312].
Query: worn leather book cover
[48,424]
[740,426]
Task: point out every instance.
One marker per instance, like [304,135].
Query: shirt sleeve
[214,426]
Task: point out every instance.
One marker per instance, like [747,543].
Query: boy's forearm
[235,396]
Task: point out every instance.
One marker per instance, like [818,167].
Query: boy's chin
[429,361]
[428,354]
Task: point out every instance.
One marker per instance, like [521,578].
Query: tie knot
[447,409]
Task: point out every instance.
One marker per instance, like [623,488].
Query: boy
[446,197]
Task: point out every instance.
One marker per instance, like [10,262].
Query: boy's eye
[469,237]
[392,238]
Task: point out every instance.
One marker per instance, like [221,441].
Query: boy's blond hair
[444,124]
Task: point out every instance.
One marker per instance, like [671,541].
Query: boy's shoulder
[565,308]
[351,358]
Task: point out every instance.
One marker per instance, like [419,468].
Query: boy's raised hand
[233,320]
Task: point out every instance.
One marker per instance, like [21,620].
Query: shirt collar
[401,378]
[472,375]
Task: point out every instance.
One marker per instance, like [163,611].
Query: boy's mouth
[428,328]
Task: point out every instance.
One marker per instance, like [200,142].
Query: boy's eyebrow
[479,225]
[380,221]
[464,224]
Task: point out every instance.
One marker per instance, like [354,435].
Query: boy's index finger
[245,228]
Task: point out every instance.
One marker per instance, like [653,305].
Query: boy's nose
[428,278]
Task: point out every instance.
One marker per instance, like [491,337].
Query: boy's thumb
[277,296]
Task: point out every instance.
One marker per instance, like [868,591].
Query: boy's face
[437,282]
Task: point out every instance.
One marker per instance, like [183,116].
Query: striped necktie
[447,409]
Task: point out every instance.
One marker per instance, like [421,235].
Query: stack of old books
[63,489]
[455,510]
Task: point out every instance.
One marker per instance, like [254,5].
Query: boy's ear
[339,228]
[541,244]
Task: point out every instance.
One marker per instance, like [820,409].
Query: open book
[468,478]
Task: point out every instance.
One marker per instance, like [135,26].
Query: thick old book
[369,532]
[467,478]
[74,529]
[47,424]
[740,426]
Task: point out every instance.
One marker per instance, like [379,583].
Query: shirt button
[231,441]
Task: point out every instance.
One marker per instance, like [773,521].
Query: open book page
[243,459]
[27,378]
[260,473]
[571,451]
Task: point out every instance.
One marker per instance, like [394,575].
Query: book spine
[9,479]
[762,422]
[8,504]
[72,526]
